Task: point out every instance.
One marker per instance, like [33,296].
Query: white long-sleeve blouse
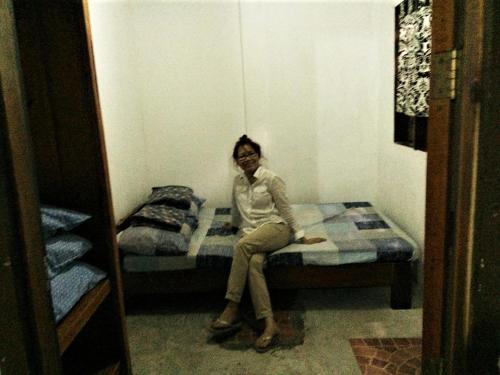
[264,201]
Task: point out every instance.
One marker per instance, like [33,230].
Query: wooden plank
[437,199]
[39,110]
[206,280]
[483,347]
[114,269]
[280,278]
[436,226]
[16,352]
[443,22]
[76,319]
[350,275]
[25,199]
[475,167]
[401,288]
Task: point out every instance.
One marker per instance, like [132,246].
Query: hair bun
[244,140]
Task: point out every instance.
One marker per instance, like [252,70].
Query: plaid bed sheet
[355,231]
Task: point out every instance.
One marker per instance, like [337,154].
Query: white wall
[308,94]
[402,170]
[121,107]
[192,92]
[308,70]
[314,87]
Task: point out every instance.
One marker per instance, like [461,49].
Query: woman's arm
[235,212]
[278,192]
[311,240]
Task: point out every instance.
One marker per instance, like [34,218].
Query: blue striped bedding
[355,231]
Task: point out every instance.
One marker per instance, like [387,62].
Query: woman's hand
[312,240]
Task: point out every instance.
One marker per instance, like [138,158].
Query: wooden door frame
[16,353]
[471,330]
[29,270]
[452,255]
[436,212]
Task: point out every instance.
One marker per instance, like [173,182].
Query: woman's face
[248,159]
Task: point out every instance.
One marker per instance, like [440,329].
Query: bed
[363,248]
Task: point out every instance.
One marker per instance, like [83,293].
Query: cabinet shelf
[52,150]
[76,319]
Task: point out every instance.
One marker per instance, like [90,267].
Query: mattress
[356,232]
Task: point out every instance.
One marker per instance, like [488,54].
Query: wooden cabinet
[52,151]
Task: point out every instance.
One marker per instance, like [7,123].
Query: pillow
[180,188]
[194,210]
[176,196]
[64,249]
[192,216]
[152,241]
[165,217]
[192,222]
[69,286]
[198,201]
[51,273]
[172,195]
[56,219]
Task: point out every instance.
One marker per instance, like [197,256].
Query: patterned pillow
[199,201]
[64,249]
[152,241]
[172,195]
[51,273]
[56,219]
[174,188]
[165,217]
[68,287]
[192,216]
[192,222]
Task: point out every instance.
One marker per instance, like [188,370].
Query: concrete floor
[169,335]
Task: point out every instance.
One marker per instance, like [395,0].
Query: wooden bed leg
[401,292]
[283,298]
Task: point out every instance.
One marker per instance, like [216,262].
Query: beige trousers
[249,256]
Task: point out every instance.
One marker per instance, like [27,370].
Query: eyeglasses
[247,156]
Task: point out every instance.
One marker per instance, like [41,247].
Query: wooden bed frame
[397,276]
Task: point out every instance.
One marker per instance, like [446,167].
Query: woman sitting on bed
[262,212]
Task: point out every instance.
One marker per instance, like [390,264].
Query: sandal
[222,327]
[270,341]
